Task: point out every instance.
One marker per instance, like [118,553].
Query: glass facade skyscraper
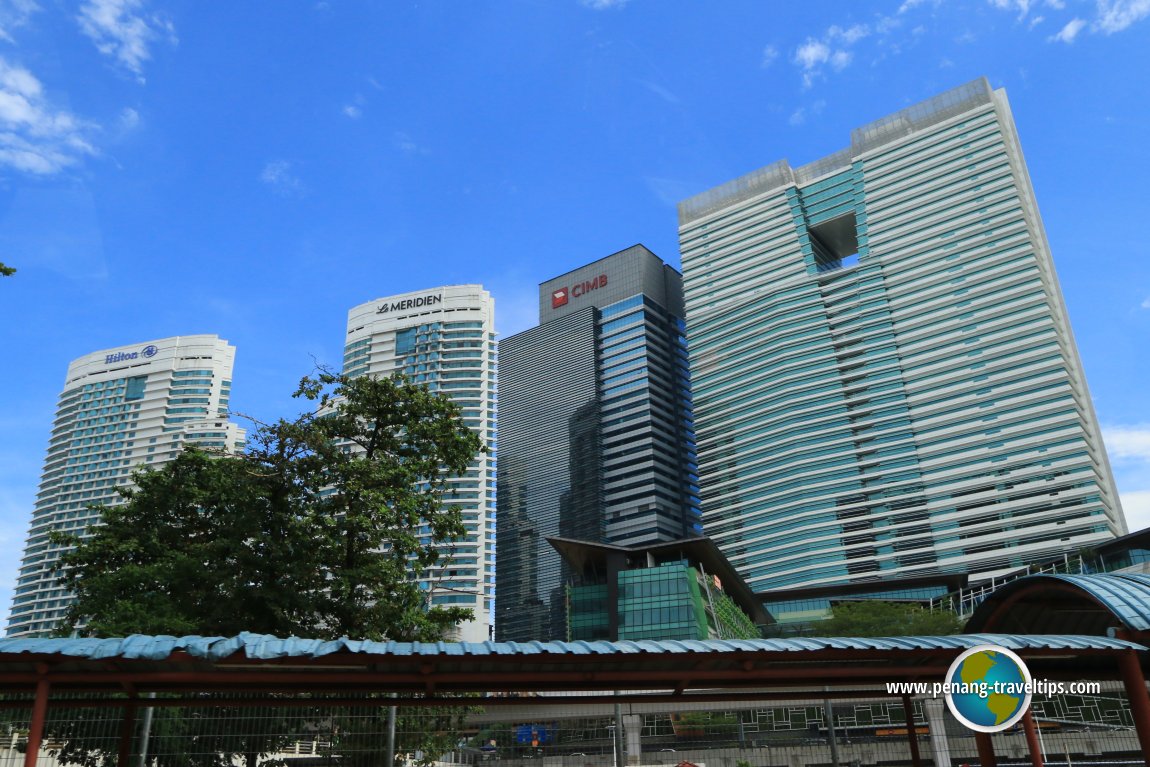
[121,408]
[445,338]
[885,380]
[596,439]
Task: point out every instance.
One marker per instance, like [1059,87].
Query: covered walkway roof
[254,662]
[1114,604]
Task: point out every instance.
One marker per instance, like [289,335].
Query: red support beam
[911,732]
[127,725]
[985,745]
[1135,683]
[1032,742]
[36,727]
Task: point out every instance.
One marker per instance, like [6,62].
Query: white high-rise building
[121,408]
[885,381]
[445,337]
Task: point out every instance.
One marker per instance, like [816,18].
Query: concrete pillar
[935,710]
[633,727]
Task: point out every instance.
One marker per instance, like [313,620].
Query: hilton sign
[561,296]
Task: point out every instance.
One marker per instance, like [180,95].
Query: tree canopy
[321,528]
[6,271]
[874,618]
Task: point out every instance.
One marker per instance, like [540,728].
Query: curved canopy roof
[1079,604]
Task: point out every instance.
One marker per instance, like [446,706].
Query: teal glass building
[673,590]
[885,381]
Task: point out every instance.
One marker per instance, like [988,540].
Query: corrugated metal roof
[1125,595]
[264,647]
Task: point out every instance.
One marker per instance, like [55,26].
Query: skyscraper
[445,338]
[885,380]
[596,440]
[121,408]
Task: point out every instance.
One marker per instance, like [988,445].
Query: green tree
[315,530]
[6,271]
[874,618]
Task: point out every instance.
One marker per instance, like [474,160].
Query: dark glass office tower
[596,441]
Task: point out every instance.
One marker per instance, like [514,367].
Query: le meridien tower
[885,381]
[445,338]
[121,408]
[596,442]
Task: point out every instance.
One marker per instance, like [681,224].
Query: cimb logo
[561,296]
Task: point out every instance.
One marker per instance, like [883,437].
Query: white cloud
[659,91]
[1068,32]
[833,48]
[1117,15]
[119,30]
[1022,6]
[812,53]
[13,14]
[850,35]
[129,118]
[352,111]
[1136,508]
[1146,303]
[800,115]
[1126,443]
[35,137]
[1129,449]
[406,144]
[278,175]
[770,53]
[599,5]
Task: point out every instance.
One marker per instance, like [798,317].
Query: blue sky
[255,169]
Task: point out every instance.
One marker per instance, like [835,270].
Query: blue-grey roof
[264,647]
[1125,596]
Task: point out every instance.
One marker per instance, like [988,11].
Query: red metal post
[36,728]
[911,732]
[127,725]
[1031,731]
[1135,683]
[986,757]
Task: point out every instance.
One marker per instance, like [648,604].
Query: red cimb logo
[559,298]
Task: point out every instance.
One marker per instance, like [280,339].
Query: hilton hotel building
[121,408]
[445,337]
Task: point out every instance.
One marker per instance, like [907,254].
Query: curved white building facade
[121,408]
[445,337]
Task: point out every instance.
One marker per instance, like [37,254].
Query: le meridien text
[986,689]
